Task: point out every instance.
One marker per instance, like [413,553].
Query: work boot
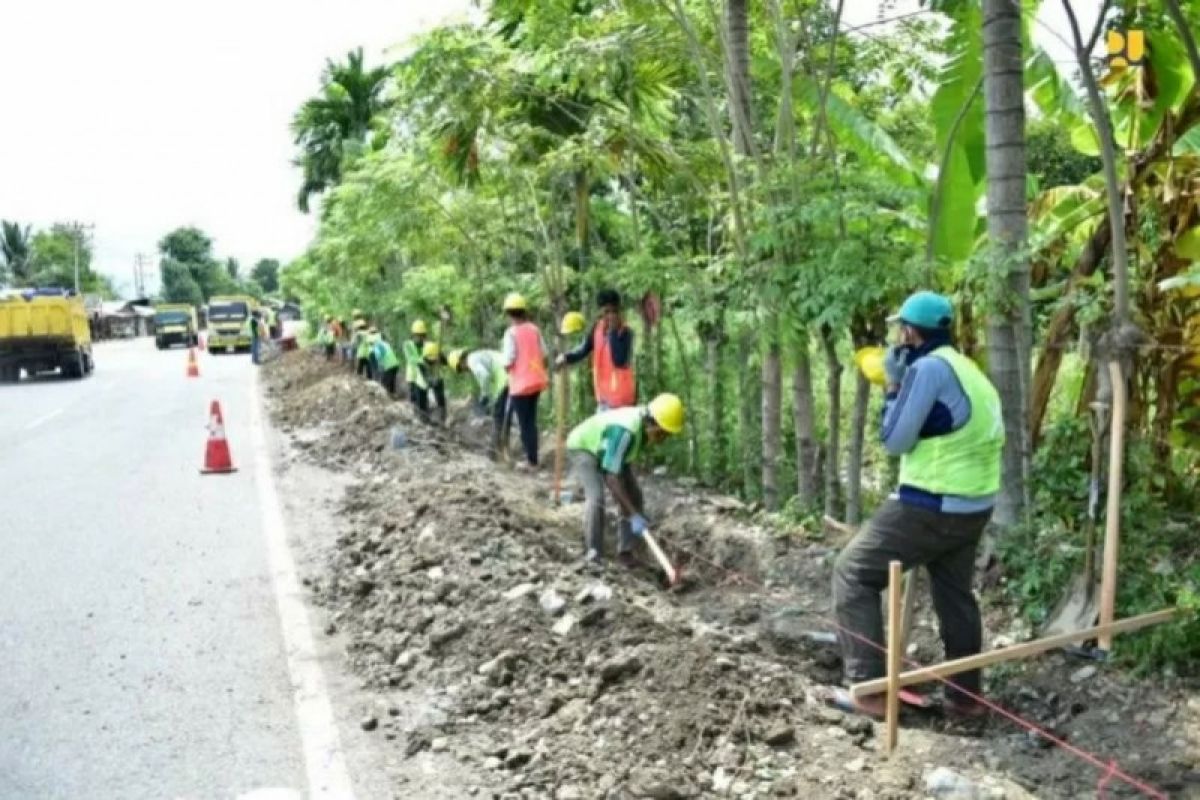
[627,559]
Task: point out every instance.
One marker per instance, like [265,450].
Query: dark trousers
[361,367]
[330,349]
[388,379]
[499,421]
[942,543]
[524,408]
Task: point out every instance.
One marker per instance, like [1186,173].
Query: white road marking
[324,760]
[43,419]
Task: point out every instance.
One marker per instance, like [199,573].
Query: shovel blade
[1077,610]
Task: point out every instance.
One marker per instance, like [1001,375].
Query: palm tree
[335,125]
[1008,325]
[16,250]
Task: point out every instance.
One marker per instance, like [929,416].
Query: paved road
[141,650]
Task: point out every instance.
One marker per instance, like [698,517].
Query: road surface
[151,629]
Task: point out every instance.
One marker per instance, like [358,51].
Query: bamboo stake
[909,607]
[894,648]
[1112,522]
[1023,650]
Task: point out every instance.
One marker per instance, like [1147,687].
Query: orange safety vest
[615,386]
[527,375]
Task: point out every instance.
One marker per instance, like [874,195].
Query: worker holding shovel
[942,417]
[602,448]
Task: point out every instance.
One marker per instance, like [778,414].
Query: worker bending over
[414,366]
[487,366]
[601,449]
[610,344]
[942,417]
[524,352]
[388,365]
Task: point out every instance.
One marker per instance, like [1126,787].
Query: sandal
[842,700]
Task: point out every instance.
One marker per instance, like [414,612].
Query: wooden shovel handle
[672,575]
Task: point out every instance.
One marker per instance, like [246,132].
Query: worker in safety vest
[524,352]
[601,449]
[326,339]
[942,417]
[610,344]
[414,366]
[255,330]
[373,338]
[362,349]
[387,363]
[431,370]
[487,367]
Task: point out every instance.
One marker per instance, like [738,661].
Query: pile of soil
[456,576]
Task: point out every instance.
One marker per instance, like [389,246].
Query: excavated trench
[459,579]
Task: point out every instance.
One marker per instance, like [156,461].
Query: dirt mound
[456,576]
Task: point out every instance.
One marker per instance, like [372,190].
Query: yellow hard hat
[455,358]
[667,411]
[431,351]
[515,301]
[418,328]
[572,322]
[870,363]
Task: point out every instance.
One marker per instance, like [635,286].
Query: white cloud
[143,115]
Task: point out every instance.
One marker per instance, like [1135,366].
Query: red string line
[1111,770]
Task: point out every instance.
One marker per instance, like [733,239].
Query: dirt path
[458,594]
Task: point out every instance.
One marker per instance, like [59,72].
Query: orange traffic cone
[217,459]
[193,370]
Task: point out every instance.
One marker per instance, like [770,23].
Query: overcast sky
[139,116]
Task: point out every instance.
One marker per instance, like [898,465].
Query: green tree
[266,273]
[334,126]
[192,249]
[233,268]
[16,249]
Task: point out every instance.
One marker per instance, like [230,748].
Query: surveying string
[1110,768]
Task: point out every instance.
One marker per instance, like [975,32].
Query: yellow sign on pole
[1126,49]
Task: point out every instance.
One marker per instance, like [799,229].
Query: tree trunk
[719,444]
[804,419]
[772,401]
[737,27]
[1008,329]
[1059,329]
[583,197]
[833,461]
[749,439]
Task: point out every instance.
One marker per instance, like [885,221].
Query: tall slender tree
[1009,320]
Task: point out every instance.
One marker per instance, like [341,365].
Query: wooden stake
[1023,650]
[562,394]
[1112,521]
[895,646]
[909,608]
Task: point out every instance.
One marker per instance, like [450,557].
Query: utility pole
[79,229]
[139,275]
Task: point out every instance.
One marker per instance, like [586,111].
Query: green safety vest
[589,434]
[362,346]
[965,462]
[386,356]
[325,337]
[412,364]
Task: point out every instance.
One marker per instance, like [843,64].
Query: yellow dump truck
[229,323]
[175,323]
[44,330]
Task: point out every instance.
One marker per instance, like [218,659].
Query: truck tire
[89,364]
[10,374]
[159,344]
[72,367]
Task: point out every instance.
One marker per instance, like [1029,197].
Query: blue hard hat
[925,310]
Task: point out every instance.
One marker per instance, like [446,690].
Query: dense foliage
[776,184]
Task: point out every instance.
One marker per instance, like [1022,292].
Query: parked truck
[42,330]
[229,323]
[175,323]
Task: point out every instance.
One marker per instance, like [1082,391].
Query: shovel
[1079,607]
[661,557]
